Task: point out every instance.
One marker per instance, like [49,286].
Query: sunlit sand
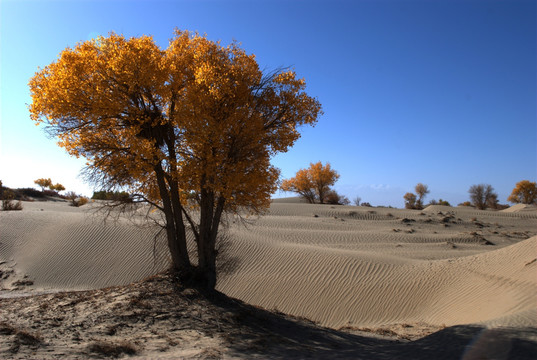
[406,273]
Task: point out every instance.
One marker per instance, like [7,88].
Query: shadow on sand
[264,334]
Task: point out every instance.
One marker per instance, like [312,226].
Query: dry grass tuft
[6,329]
[11,205]
[28,338]
[113,350]
[22,337]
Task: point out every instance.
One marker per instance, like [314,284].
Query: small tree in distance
[410,200]
[312,183]
[43,183]
[302,184]
[439,202]
[57,187]
[483,195]
[525,192]
[422,191]
[413,201]
[323,178]
[357,200]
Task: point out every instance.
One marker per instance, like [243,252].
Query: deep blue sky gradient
[438,92]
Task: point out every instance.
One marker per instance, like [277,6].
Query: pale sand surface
[380,270]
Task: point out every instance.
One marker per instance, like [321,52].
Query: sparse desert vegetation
[415,201]
[182,252]
[401,257]
[75,199]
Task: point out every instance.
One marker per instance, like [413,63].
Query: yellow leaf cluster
[312,183]
[525,192]
[203,113]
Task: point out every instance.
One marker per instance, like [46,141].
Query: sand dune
[520,208]
[340,266]
[59,246]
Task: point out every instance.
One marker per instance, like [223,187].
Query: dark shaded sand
[158,319]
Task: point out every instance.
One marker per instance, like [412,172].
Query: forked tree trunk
[211,209]
[175,228]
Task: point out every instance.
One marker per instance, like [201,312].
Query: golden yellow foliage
[312,183]
[410,200]
[525,192]
[194,121]
[43,183]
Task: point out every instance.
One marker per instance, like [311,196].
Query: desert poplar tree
[483,195]
[312,183]
[410,200]
[421,190]
[189,129]
[43,183]
[525,192]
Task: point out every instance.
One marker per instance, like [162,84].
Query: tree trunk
[175,230]
[207,261]
[210,216]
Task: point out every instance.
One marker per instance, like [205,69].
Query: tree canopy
[312,183]
[483,196]
[525,192]
[189,129]
[43,183]
[413,201]
[421,190]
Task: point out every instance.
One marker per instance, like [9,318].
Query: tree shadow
[257,333]
[471,342]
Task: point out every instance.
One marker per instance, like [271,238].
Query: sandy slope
[338,266]
[369,267]
[158,319]
[59,246]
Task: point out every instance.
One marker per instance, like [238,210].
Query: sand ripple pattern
[346,266]
[336,265]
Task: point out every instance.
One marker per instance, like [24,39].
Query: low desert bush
[51,193]
[122,196]
[8,202]
[333,198]
[30,193]
[76,200]
[7,329]
[22,336]
[29,338]
[439,202]
[82,200]
[113,350]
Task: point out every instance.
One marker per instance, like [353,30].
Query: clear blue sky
[438,92]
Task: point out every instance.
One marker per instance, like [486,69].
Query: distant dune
[340,266]
[521,208]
